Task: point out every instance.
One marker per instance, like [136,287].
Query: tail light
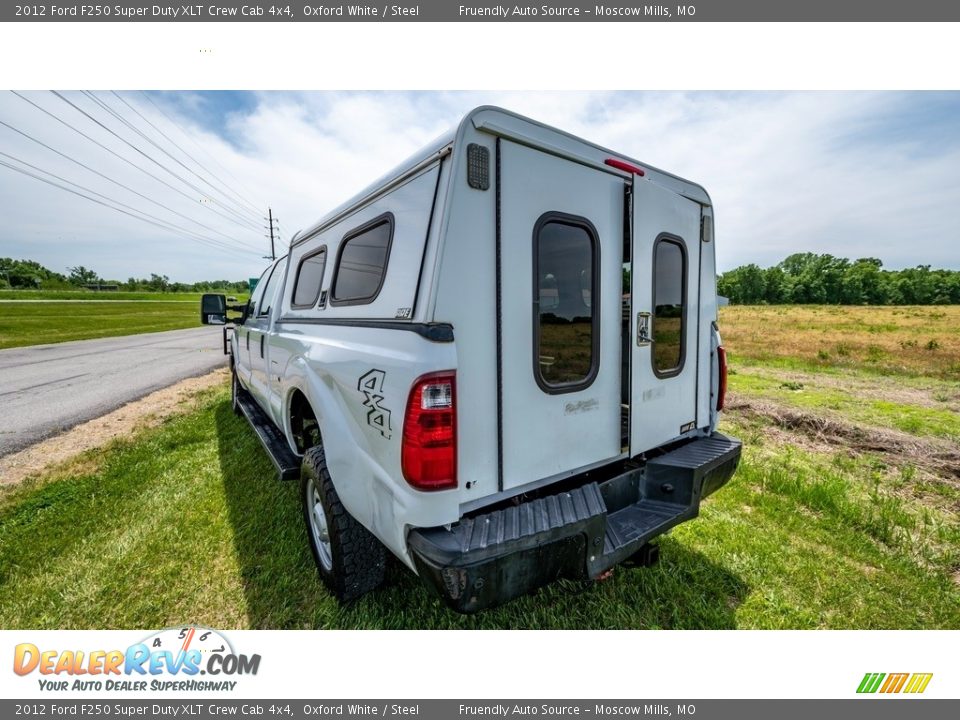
[722,385]
[428,455]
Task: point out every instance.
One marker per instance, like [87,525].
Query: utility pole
[273,254]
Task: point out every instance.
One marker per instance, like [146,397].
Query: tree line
[31,275]
[809,278]
[802,278]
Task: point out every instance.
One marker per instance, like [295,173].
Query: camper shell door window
[566,263]
[669,305]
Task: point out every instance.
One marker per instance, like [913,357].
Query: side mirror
[213,309]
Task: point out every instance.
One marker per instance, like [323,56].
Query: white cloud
[788,172]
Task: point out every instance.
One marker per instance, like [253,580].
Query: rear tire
[350,560]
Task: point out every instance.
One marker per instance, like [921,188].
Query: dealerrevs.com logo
[179,659]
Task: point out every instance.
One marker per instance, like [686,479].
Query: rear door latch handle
[643,329]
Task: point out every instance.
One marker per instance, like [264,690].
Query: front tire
[350,560]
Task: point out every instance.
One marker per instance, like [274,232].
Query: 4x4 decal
[378,417]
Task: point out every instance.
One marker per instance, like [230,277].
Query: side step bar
[273,441]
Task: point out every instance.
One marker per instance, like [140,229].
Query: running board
[273,441]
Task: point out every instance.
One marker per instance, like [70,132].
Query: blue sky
[853,174]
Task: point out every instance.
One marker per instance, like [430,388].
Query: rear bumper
[489,559]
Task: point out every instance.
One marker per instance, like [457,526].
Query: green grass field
[35,323]
[844,513]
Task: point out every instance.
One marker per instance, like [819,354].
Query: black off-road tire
[359,559]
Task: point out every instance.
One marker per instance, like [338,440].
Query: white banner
[474,664]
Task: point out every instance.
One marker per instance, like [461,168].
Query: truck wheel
[235,392]
[351,561]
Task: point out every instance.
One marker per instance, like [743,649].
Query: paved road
[48,388]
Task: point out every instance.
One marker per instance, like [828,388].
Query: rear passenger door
[259,328]
[305,283]
[242,352]
[561,226]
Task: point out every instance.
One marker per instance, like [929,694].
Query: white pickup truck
[500,362]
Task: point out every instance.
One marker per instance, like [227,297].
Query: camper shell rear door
[560,249]
[665,288]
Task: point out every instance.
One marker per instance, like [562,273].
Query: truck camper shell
[507,350]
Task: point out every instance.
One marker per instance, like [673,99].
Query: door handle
[262,338]
[644,323]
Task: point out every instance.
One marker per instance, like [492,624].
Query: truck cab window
[565,327]
[257,293]
[267,299]
[669,305]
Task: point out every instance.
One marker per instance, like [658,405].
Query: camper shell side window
[309,279]
[566,331]
[362,262]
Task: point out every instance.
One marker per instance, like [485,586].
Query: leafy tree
[28,274]
[158,283]
[23,274]
[777,286]
[863,283]
[813,278]
[80,275]
[746,284]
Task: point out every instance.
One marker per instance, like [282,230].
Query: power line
[134,147]
[117,182]
[121,157]
[240,197]
[158,221]
[234,206]
[136,214]
[240,201]
[128,124]
[197,145]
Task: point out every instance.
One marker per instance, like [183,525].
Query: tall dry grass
[915,340]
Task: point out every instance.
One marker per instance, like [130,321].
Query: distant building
[721,300]
[101,286]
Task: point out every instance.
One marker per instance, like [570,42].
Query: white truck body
[497,255]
